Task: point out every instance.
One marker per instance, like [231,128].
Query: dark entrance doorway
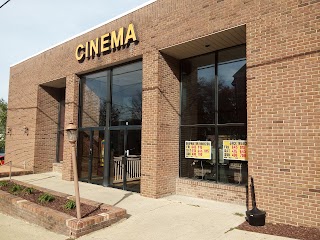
[91,155]
[110,116]
[125,158]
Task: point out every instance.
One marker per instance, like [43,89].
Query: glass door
[125,159]
[83,158]
[91,155]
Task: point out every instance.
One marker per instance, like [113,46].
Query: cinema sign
[106,43]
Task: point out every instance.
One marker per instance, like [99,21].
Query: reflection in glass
[93,99]
[91,156]
[195,168]
[232,86]
[214,90]
[127,95]
[111,96]
[198,81]
[97,163]
[232,171]
[83,155]
[132,138]
[229,171]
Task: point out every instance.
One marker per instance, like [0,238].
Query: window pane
[94,96]
[232,171]
[198,78]
[127,95]
[232,85]
[132,67]
[195,168]
[200,88]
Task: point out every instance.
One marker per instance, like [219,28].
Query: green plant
[239,214]
[3,121]
[231,229]
[70,205]
[4,183]
[45,197]
[16,188]
[28,190]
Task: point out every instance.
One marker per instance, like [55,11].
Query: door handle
[90,152]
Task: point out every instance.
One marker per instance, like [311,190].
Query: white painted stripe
[95,27]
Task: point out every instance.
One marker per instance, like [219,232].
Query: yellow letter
[105,40]
[78,49]
[130,34]
[117,41]
[94,47]
[87,49]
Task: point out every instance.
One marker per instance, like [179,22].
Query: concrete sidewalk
[174,217]
[15,171]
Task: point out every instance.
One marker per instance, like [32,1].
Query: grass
[70,205]
[230,230]
[28,190]
[15,189]
[45,198]
[4,183]
[239,214]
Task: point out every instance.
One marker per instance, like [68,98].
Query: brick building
[193,96]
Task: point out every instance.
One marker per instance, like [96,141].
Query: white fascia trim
[97,26]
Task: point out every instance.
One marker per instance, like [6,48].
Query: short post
[10,170]
[72,137]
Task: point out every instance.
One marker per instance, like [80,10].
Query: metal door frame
[125,129]
[91,133]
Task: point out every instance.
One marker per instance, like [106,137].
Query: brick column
[150,109]
[71,114]
[160,125]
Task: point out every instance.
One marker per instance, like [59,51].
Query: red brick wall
[71,115]
[160,125]
[212,191]
[150,129]
[283,99]
[91,108]
[46,128]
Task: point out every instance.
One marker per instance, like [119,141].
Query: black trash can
[256,217]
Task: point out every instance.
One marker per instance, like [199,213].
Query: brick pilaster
[71,114]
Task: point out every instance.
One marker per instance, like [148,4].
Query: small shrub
[45,198]
[70,205]
[4,183]
[15,189]
[28,190]
[239,214]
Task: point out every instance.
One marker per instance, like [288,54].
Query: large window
[213,109]
[127,95]
[110,113]
[94,93]
[119,88]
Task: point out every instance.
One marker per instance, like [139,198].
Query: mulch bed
[303,233]
[57,204]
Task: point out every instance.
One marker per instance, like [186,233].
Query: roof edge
[88,30]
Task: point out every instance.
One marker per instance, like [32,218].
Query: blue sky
[28,27]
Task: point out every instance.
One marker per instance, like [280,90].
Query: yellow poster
[235,149]
[198,149]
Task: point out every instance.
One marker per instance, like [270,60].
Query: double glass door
[125,159]
[110,118]
[121,167]
[91,155]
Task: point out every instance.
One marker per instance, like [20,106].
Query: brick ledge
[56,221]
[211,191]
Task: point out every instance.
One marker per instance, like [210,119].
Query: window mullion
[216,116]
